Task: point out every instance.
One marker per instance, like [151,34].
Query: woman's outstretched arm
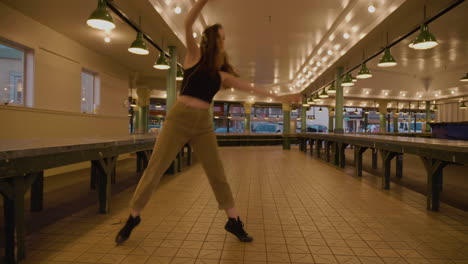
[193,52]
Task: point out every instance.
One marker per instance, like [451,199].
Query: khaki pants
[185,124]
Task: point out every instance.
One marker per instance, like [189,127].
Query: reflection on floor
[298,208]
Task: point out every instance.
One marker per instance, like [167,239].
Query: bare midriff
[193,102]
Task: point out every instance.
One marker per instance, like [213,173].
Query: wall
[451,113]
[58,62]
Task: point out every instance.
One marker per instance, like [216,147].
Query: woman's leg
[168,143]
[205,147]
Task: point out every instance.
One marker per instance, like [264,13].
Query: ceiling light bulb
[371,9]
[329,52]
[195,35]
[178,10]
[452,92]
[346,35]
[318,63]
[107,39]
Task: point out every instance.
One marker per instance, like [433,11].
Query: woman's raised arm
[193,52]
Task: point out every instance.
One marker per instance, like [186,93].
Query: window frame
[27,75]
[96,90]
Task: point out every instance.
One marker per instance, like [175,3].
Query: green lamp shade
[180,74]
[316,97]
[387,59]
[162,63]
[101,18]
[348,80]
[364,72]
[464,78]
[435,108]
[310,99]
[462,105]
[332,90]
[320,110]
[139,46]
[323,94]
[425,40]
[354,79]
[366,111]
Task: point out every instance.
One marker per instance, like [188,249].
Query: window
[12,68]
[90,92]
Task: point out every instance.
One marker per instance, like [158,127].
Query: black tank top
[200,83]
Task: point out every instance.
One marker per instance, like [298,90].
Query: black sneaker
[124,233]
[236,227]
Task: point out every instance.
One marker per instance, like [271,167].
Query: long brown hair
[213,59]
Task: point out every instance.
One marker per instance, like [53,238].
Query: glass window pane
[87,92]
[11,75]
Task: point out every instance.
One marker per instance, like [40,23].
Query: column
[304,115]
[286,125]
[428,116]
[248,113]
[171,79]
[142,114]
[330,119]
[396,115]
[366,121]
[383,113]
[339,101]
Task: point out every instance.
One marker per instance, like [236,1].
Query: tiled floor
[299,210]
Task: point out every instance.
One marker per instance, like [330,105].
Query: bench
[434,153]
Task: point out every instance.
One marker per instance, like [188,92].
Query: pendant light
[464,78]
[462,105]
[139,46]
[356,111]
[316,98]
[354,79]
[425,40]
[304,102]
[364,72]
[366,111]
[332,90]
[320,110]
[310,100]
[435,109]
[387,59]
[101,18]
[347,81]
[323,94]
[180,74]
[162,63]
